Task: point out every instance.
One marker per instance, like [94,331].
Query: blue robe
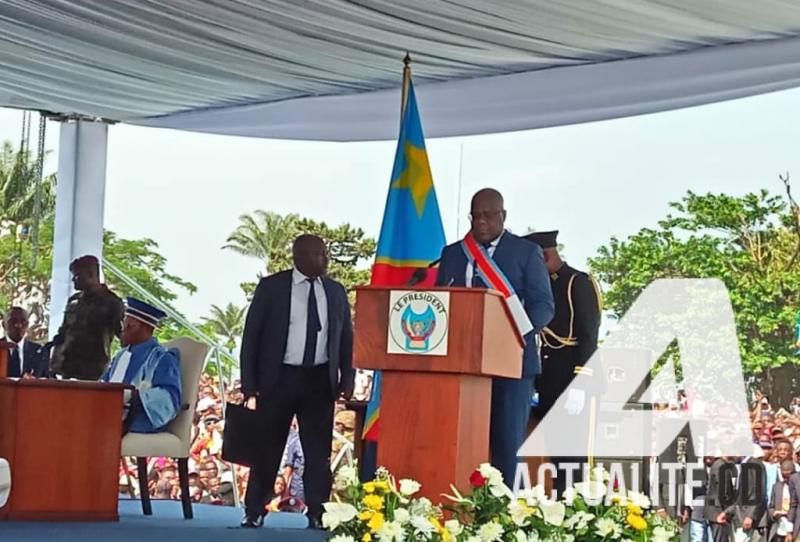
[155,372]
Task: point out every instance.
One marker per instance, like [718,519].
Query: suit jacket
[715,487]
[35,360]
[522,262]
[267,327]
[776,499]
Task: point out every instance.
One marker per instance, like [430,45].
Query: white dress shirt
[470,267]
[298,314]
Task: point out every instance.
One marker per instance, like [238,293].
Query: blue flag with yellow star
[412,235]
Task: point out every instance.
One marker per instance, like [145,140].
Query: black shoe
[252,521]
[315,522]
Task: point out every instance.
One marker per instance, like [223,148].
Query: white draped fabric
[330,69]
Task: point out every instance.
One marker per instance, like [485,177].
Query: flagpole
[406,81]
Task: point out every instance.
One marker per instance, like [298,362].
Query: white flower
[342,538]
[409,487]
[490,532]
[593,490]
[401,516]
[553,512]
[492,475]
[422,525]
[608,528]
[454,526]
[337,513]
[578,521]
[519,512]
[660,534]
[473,538]
[346,476]
[421,507]
[639,499]
[599,474]
[391,531]
[522,536]
[569,495]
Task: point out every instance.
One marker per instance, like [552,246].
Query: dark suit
[776,500]
[34,359]
[720,483]
[522,263]
[285,391]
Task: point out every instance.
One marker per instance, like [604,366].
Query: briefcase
[243,439]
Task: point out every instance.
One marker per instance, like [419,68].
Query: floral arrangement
[387,510]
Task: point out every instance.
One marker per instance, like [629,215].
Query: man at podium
[491,257]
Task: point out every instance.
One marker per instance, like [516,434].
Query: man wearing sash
[152,369]
[491,257]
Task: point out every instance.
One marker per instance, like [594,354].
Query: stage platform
[210,523]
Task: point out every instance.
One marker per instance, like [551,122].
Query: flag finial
[407,60]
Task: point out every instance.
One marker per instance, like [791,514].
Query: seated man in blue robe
[152,369]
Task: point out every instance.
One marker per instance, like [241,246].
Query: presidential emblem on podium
[418,322]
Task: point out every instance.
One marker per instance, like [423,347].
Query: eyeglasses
[484,215]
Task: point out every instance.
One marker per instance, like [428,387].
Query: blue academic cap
[144,312]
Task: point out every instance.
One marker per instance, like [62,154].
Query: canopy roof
[331,69]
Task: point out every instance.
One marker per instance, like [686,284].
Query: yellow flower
[375,522]
[366,515]
[382,485]
[634,509]
[369,487]
[366,538]
[443,532]
[637,522]
[373,502]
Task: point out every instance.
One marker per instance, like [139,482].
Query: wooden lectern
[434,413]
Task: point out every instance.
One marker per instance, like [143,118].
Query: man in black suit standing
[296,359]
[25,357]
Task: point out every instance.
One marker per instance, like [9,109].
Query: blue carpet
[210,523]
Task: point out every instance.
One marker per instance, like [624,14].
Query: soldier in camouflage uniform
[92,319]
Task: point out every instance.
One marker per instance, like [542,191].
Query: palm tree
[227,323]
[263,235]
[18,175]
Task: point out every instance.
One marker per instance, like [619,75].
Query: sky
[590,181]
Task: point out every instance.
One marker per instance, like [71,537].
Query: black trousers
[304,392]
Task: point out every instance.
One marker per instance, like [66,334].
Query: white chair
[5,482]
[175,440]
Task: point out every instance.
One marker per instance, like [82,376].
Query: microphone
[421,273]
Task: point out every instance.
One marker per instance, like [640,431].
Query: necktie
[477,281]
[313,326]
[14,361]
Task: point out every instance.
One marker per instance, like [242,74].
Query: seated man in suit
[491,257]
[152,369]
[25,357]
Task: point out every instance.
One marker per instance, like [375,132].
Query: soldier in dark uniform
[92,319]
[568,341]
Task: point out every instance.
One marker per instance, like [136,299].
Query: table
[62,440]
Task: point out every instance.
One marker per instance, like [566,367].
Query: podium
[62,440]
[435,408]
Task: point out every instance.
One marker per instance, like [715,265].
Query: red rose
[476,479]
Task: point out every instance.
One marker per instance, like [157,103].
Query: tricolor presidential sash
[491,274]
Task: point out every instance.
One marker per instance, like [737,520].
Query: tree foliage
[226,323]
[268,236]
[748,242]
